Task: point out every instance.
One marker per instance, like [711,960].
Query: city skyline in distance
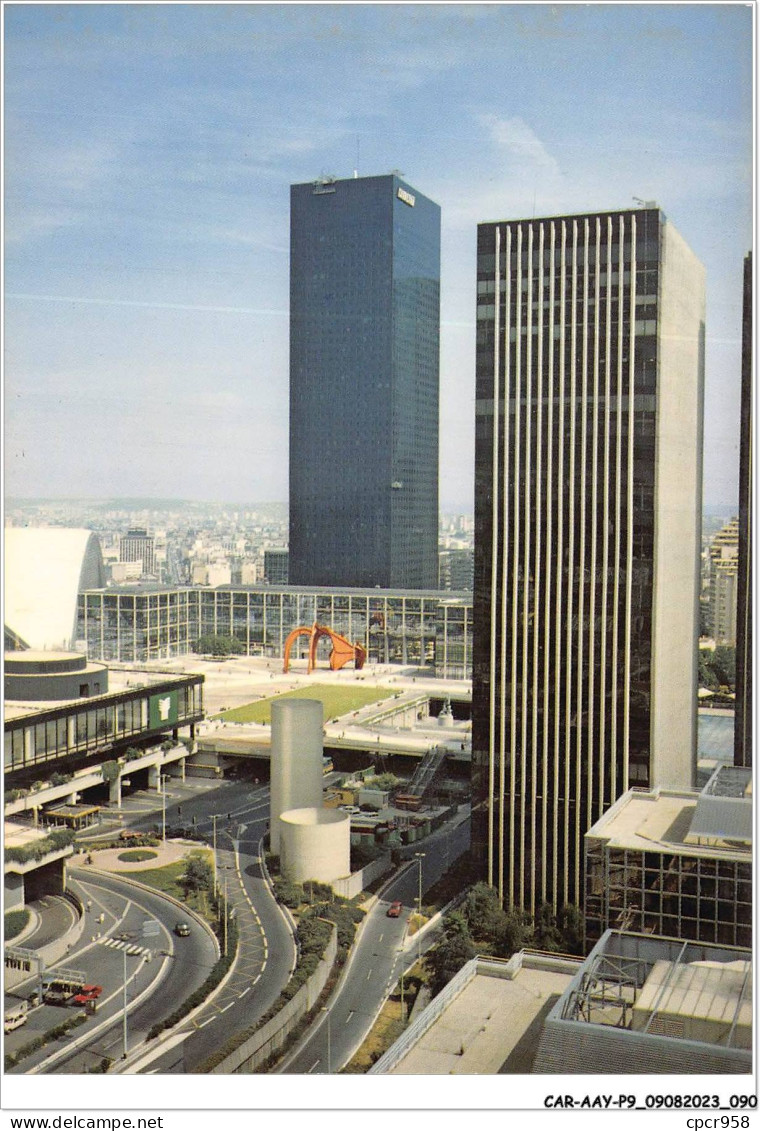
[149,155]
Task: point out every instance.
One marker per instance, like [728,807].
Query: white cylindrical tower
[315,844]
[296,760]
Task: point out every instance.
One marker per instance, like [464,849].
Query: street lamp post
[420,857]
[329,1056]
[124,1027]
[225,916]
[213,821]
[163,806]
[401,955]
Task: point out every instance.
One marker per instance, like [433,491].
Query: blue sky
[149,151]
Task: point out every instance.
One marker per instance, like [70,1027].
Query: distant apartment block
[139,546]
[675,863]
[588,470]
[364,345]
[456,569]
[276,566]
[723,569]
[428,629]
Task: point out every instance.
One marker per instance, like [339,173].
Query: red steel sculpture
[343,651]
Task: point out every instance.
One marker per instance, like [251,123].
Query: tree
[724,666]
[570,923]
[546,935]
[199,874]
[216,644]
[512,932]
[483,912]
[455,949]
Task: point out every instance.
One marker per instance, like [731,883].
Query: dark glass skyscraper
[589,390]
[364,342]
[744,704]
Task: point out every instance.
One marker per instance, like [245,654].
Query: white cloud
[520,142]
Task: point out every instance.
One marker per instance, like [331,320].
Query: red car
[87,994]
[394,910]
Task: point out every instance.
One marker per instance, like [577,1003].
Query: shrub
[12,1059]
[53,842]
[110,771]
[291,895]
[14,922]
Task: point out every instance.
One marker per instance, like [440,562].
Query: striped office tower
[590,347]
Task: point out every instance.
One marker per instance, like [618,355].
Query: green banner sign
[163,709]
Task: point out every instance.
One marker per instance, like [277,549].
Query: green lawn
[167,879]
[15,921]
[336,701]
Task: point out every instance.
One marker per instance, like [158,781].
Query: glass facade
[706,897]
[426,629]
[364,346]
[568,383]
[98,725]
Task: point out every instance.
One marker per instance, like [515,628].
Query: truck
[60,991]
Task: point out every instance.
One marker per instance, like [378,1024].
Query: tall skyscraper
[589,392]
[364,340]
[743,718]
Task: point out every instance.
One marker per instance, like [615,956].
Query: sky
[149,151]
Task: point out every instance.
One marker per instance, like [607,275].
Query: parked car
[394,910]
[182,929]
[87,994]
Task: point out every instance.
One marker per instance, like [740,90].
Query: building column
[114,792]
[154,778]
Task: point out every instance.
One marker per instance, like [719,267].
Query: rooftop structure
[675,863]
[487,1020]
[642,1004]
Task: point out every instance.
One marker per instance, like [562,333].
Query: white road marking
[350,1015]
[245,991]
[369,975]
[206,1022]
[255,980]
[314,1065]
[229,1006]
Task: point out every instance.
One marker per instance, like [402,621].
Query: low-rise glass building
[102,726]
[133,624]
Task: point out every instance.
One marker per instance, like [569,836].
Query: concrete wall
[13,891]
[315,844]
[296,760]
[357,881]
[678,504]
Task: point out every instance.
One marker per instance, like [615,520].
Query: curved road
[168,967]
[376,962]
[267,953]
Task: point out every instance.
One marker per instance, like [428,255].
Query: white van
[15,1016]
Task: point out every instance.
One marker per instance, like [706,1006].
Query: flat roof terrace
[487,1021]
